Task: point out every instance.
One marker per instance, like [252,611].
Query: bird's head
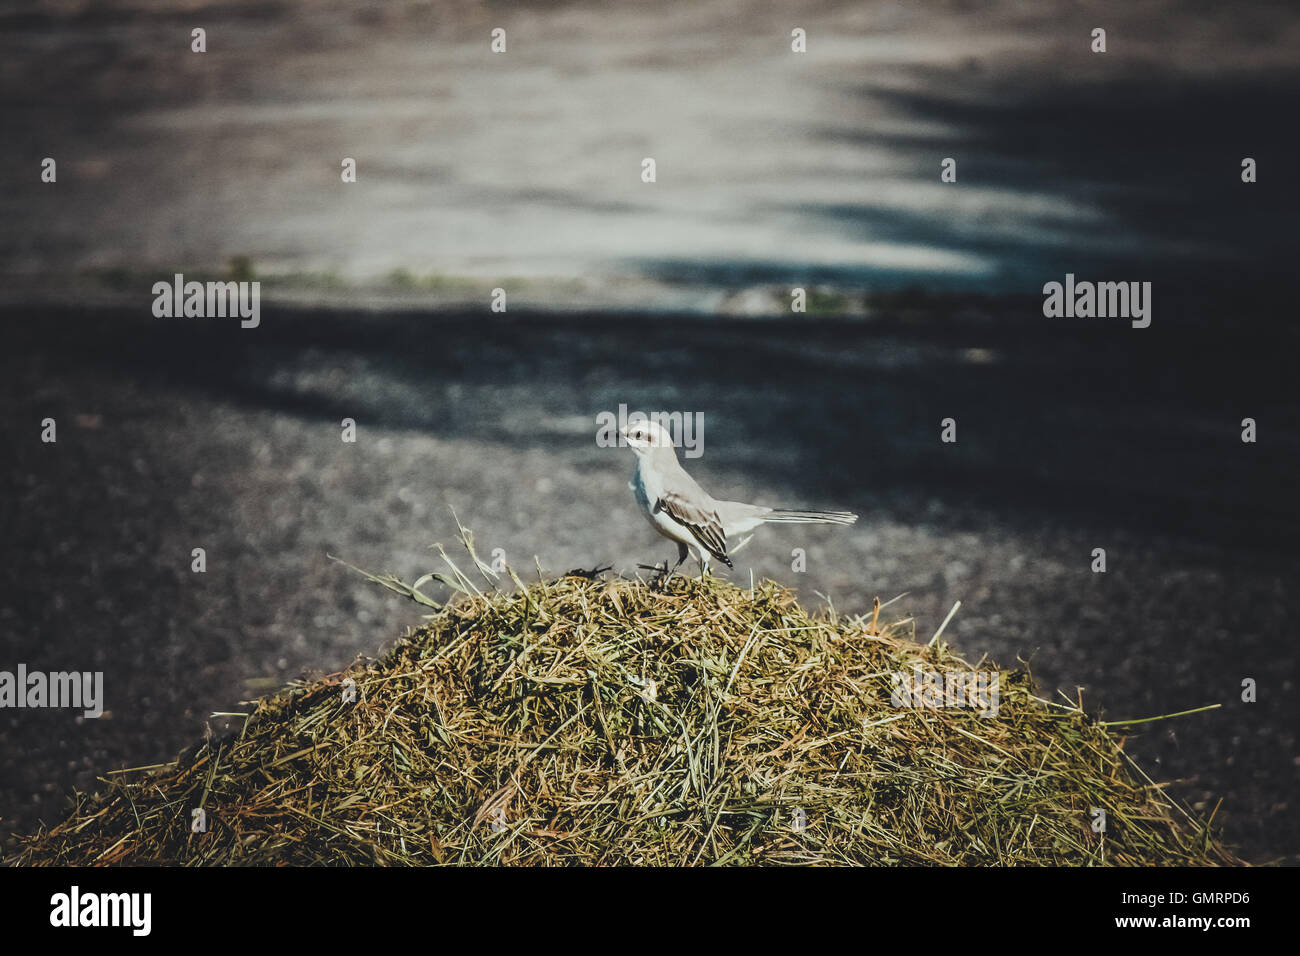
[647,437]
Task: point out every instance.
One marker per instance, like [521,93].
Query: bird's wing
[702,522]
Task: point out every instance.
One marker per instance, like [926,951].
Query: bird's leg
[681,556]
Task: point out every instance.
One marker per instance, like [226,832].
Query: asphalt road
[180,434]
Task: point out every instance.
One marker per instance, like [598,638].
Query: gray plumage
[680,510]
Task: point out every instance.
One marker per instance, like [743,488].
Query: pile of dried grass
[583,721]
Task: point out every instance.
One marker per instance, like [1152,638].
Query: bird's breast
[647,489]
[643,492]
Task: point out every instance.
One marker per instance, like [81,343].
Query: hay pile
[581,721]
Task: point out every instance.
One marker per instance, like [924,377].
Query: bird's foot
[663,574]
[591,575]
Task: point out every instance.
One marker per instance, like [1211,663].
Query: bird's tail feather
[810,517]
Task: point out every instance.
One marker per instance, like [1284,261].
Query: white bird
[682,511]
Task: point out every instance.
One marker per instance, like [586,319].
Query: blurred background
[522,171]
